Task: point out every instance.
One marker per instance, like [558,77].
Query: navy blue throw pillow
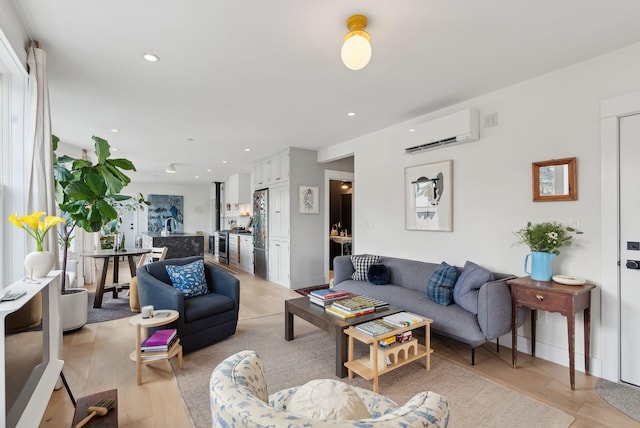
[378,274]
[441,283]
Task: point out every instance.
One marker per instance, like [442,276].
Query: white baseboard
[555,354]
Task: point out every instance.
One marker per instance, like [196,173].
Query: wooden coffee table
[333,325]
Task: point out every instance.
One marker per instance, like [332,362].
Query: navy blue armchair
[204,319]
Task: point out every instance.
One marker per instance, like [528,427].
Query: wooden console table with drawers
[552,297]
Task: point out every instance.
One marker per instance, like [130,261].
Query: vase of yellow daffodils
[38,263]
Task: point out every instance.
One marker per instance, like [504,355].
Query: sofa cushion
[327,399]
[378,274]
[206,306]
[465,292]
[441,284]
[361,265]
[189,278]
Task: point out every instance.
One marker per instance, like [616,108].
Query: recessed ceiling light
[151,57]
[351,113]
[247,150]
[208,170]
[115,130]
[115,149]
[197,176]
[224,161]
[412,130]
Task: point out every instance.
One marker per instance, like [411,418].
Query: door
[129,228]
[630,249]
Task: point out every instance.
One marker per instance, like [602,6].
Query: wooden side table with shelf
[400,354]
[148,358]
[551,296]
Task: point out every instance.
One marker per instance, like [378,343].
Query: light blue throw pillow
[189,278]
[465,292]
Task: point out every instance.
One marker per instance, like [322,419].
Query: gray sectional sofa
[407,289]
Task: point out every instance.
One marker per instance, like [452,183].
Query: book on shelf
[152,355]
[376,327]
[403,319]
[159,340]
[344,314]
[329,294]
[159,348]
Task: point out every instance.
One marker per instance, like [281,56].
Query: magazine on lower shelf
[376,327]
[403,319]
[159,348]
[156,355]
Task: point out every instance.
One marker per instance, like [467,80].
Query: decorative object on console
[308,199]
[429,196]
[39,262]
[544,240]
[568,279]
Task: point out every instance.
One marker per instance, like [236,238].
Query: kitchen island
[178,244]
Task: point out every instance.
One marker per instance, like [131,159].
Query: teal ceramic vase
[540,265]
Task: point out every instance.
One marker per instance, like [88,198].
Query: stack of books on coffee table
[327,296]
[355,306]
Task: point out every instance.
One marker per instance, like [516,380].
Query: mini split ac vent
[460,127]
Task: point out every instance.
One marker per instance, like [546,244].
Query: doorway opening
[339,225]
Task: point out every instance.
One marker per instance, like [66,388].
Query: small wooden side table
[403,353]
[551,296]
[146,323]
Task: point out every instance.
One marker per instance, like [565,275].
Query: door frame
[611,110]
[329,175]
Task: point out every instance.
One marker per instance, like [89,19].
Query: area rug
[623,397]
[475,401]
[112,309]
[307,290]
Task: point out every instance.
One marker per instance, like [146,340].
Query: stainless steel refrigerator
[260,233]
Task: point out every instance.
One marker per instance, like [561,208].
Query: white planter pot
[75,308]
[38,263]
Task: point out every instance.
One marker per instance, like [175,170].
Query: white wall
[553,116]
[197,216]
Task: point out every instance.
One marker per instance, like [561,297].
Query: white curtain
[41,193]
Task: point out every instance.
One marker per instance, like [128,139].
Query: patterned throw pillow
[189,278]
[441,283]
[361,265]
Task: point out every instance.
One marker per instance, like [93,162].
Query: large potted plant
[87,195]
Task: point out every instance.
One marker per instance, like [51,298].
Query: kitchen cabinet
[262,174]
[279,212]
[237,190]
[234,250]
[279,263]
[279,168]
[246,253]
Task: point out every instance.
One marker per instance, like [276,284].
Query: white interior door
[130,228]
[630,249]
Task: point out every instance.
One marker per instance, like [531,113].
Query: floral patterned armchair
[238,394]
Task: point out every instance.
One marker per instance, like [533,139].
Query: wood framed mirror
[555,180]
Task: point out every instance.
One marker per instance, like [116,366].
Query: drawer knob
[540,297]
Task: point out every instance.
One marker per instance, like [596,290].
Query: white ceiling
[266,75]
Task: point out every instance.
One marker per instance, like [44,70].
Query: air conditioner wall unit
[456,128]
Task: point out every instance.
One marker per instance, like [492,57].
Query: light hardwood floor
[97,359]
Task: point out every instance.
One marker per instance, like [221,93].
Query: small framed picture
[309,199]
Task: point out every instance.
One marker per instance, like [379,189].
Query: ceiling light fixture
[115,130]
[151,57]
[356,49]
[171,168]
[345,185]
[351,113]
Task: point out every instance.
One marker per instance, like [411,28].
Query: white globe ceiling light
[171,169]
[356,49]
